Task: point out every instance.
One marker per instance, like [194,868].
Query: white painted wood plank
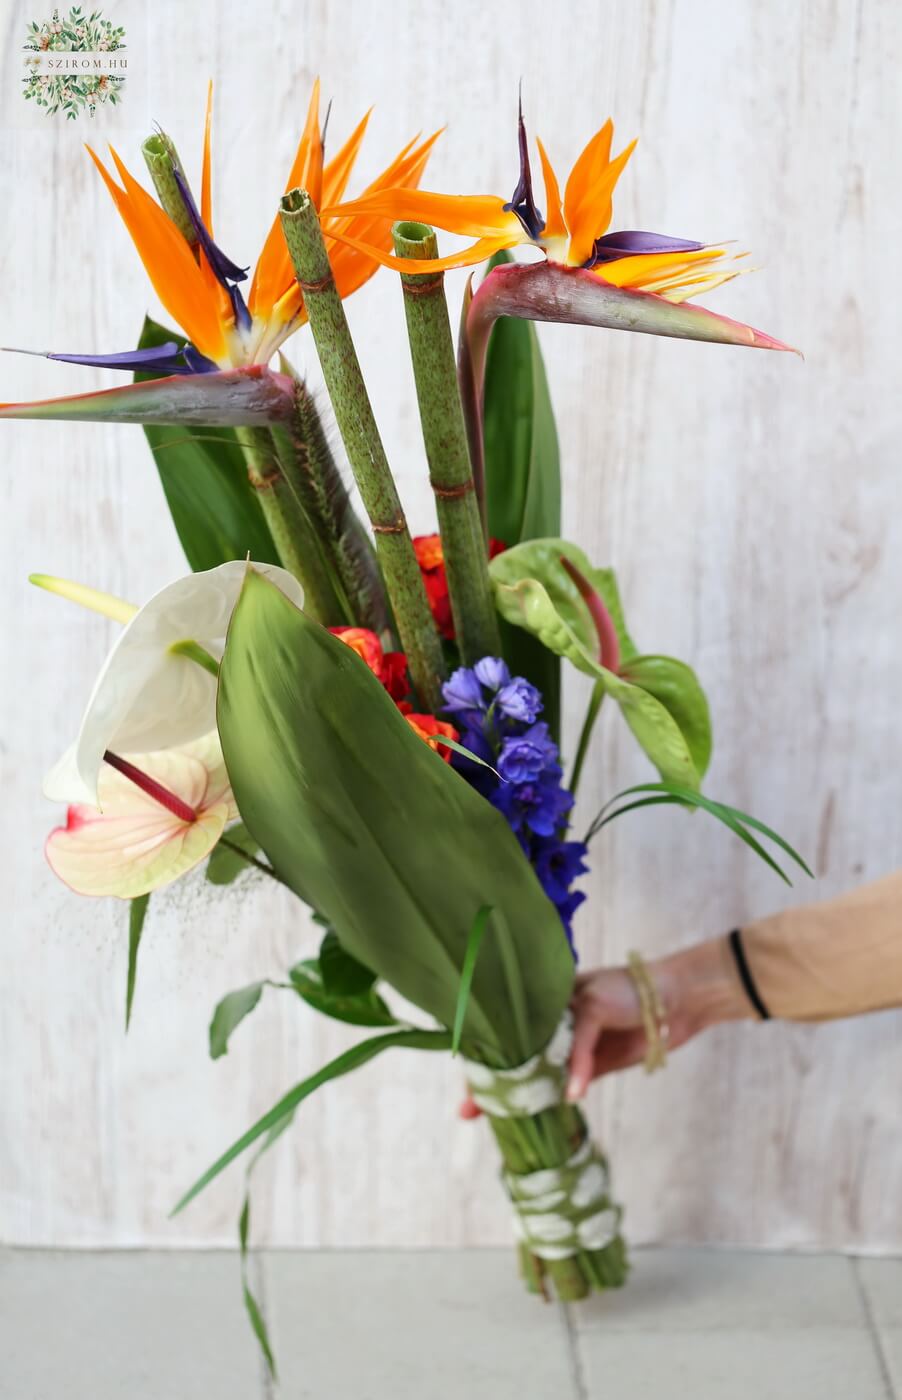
[749,502]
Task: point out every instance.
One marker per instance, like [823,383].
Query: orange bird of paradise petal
[200,287]
[573,232]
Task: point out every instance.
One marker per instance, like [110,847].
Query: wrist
[699,985]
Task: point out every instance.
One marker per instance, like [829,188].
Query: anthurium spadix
[158,815]
[218,374]
[157,688]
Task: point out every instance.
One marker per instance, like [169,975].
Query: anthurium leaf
[229,1013]
[677,687]
[535,591]
[226,864]
[342,975]
[284,1109]
[540,561]
[137,913]
[381,836]
[203,472]
[364,1009]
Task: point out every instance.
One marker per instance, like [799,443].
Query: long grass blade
[474,943]
[342,1064]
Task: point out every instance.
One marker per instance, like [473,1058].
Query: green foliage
[522,475]
[363,1008]
[660,698]
[370,827]
[137,913]
[281,1113]
[225,863]
[203,472]
[672,794]
[229,1014]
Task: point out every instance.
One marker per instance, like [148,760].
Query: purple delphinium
[498,716]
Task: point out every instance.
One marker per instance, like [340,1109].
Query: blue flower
[558,864]
[541,806]
[520,701]
[492,672]
[463,693]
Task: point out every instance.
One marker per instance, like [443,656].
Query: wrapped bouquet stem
[373,722]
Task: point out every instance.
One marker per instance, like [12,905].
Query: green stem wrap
[555,1177]
[357,425]
[447,453]
[296,542]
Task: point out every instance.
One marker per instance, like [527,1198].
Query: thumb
[589,1025]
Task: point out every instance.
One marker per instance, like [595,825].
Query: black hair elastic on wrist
[745,975]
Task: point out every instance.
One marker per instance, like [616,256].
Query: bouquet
[370,719]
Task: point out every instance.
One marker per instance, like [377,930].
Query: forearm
[839,958]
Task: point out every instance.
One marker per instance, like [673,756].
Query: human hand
[697,987]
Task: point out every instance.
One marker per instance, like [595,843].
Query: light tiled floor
[713,1324]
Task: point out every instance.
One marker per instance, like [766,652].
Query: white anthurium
[157,688]
[160,814]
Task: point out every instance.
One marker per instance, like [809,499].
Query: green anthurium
[657,696]
[369,825]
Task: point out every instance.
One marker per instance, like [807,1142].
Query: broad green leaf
[343,1064]
[522,475]
[343,976]
[225,864]
[203,472]
[534,591]
[677,687]
[363,1009]
[375,831]
[137,913]
[229,1013]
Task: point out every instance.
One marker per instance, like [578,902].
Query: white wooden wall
[750,502]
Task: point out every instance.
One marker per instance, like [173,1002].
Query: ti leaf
[203,472]
[660,699]
[229,1014]
[374,830]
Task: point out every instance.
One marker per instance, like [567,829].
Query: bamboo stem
[162,159]
[357,425]
[295,541]
[447,453]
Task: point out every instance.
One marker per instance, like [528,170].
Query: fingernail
[574,1089]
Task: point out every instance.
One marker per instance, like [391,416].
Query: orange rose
[427,725]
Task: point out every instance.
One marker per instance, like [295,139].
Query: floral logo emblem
[75,63]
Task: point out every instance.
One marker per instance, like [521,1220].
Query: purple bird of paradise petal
[631,241]
[522,201]
[168,358]
[226,271]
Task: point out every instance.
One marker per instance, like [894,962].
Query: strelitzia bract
[230,339]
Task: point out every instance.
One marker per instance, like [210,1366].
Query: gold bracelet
[654,1018]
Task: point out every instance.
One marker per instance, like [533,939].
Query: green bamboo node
[447,453]
[366,454]
[162,160]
